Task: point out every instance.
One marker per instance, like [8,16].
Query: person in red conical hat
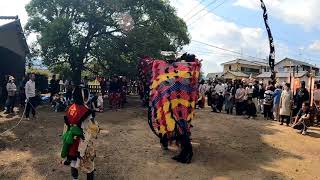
[81,129]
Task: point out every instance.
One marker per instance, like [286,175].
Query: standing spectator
[3,93]
[229,99]
[240,95]
[22,92]
[31,96]
[114,94]
[255,95]
[276,102]
[53,87]
[69,88]
[249,90]
[261,97]
[103,85]
[267,103]
[61,85]
[302,96]
[219,88]
[209,93]
[316,95]
[251,109]
[123,90]
[202,94]
[285,104]
[11,99]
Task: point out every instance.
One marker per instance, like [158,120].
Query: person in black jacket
[302,95]
[261,97]
[54,87]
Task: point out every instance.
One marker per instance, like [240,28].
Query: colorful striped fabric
[144,68]
[173,94]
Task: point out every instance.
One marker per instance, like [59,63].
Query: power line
[200,3]
[212,2]
[228,50]
[277,37]
[208,12]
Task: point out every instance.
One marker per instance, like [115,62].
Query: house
[241,68]
[13,49]
[290,65]
[214,75]
[292,71]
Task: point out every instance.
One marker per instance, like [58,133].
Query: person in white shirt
[11,89]
[202,94]
[240,98]
[220,89]
[30,89]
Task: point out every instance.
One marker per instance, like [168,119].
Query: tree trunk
[76,76]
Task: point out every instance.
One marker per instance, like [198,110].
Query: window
[229,67]
[249,70]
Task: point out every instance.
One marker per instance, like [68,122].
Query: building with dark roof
[13,48]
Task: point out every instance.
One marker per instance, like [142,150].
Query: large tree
[110,34]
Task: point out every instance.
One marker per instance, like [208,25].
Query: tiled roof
[213,75]
[247,62]
[298,62]
[15,26]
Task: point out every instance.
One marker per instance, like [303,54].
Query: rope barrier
[22,117]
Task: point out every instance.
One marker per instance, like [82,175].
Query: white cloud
[13,8]
[315,46]
[214,30]
[301,12]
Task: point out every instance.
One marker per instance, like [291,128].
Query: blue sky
[236,25]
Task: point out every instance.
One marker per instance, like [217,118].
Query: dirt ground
[225,147]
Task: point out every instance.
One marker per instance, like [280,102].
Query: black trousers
[31,106]
[75,174]
[267,111]
[285,119]
[239,108]
[301,126]
[69,95]
[11,100]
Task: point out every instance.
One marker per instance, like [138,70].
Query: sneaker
[281,123]
[304,133]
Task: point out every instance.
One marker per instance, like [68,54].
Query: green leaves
[73,31]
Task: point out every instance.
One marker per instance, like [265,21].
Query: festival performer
[114,94]
[79,137]
[174,92]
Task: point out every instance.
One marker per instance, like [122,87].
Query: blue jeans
[10,103]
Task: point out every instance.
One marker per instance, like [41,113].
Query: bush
[41,79]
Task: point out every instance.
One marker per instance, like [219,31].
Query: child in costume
[79,137]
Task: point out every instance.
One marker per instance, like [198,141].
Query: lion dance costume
[173,95]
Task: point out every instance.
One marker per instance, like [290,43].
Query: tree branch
[106,33]
[91,70]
